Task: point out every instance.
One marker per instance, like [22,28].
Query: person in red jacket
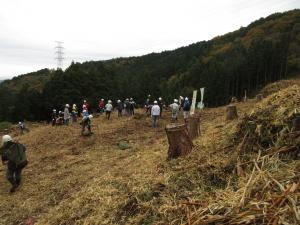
[101,105]
[85,105]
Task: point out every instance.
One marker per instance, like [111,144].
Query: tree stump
[259,97]
[296,124]
[180,143]
[194,126]
[231,112]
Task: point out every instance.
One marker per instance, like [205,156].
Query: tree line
[244,60]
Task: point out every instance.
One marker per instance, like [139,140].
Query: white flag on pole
[193,102]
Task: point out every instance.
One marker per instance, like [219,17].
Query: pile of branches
[266,169]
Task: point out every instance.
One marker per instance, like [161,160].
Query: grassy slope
[71,178]
[76,180]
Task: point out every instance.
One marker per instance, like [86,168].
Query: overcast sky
[103,29]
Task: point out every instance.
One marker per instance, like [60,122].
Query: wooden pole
[180,143]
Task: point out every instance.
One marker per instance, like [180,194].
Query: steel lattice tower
[59,54]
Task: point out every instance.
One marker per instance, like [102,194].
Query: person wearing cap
[186,109]
[155,112]
[86,123]
[108,109]
[53,117]
[74,113]
[119,107]
[14,156]
[101,106]
[174,110]
[66,115]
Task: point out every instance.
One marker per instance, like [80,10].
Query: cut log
[180,143]
[194,126]
[259,97]
[231,112]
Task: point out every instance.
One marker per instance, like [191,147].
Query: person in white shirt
[108,109]
[155,112]
[174,109]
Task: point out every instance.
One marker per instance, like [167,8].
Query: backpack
[16,153]
[186,106]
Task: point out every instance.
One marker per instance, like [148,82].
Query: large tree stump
[259,97]
[180,143]
[231,112]
[194,126]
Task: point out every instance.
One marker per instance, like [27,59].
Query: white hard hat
[84,100]
[186,98]
[119,100]
[155,102]
[6,138]
[127,99]
[131,99]
[90,116]
[159,98]
[109,101]
[175,100]
[102,99]
[54,110]
[20,123]
[67,105]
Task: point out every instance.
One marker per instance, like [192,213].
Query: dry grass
[89,180]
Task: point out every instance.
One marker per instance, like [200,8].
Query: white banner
[193,102]
[201,105]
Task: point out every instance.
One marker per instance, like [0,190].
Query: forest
[244,60]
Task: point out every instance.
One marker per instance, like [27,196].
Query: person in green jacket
[14,156]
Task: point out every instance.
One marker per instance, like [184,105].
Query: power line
[59,54]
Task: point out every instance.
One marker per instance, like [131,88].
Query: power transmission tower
[59,54]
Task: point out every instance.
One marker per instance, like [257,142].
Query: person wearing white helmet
[119,107]
[131,107]
[14,156]
[53,117]
[161,105]
[174,110]
[155,112]
[101,105]
[108,109]
[148,105]
[66,115]
[23,128]
[127,106]
[85,105]
[186,109]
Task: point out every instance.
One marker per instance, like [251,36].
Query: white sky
[103,29]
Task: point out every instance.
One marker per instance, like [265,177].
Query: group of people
[177,105]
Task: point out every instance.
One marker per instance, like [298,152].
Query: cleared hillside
[89,180]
